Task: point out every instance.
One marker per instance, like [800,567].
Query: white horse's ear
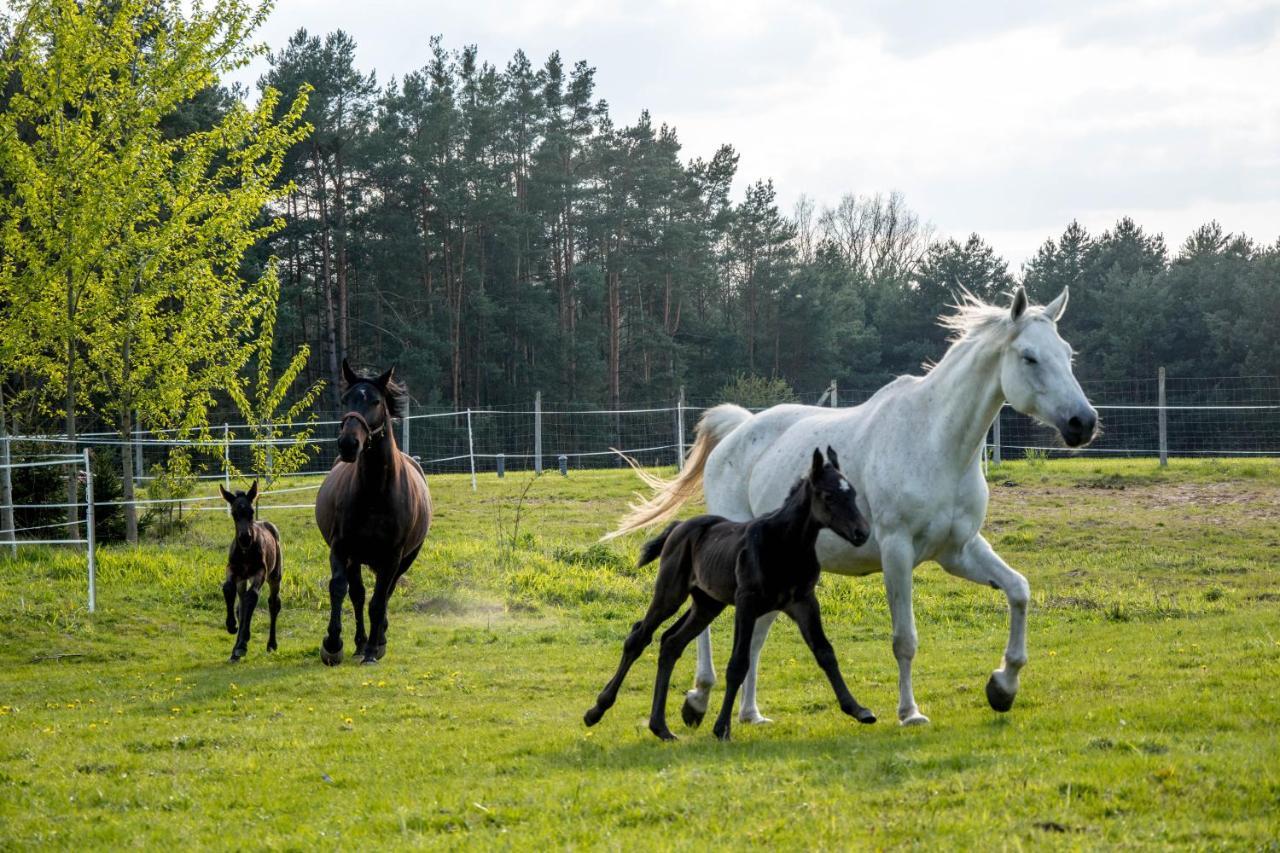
[1057,307]
[1019,303]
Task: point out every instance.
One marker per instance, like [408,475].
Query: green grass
[1148,714]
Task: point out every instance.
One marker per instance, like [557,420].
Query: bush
[757,392]
[47,485]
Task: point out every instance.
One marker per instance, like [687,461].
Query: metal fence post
[471,451]
[139,466]
[6,482]
[537,433]
[1164,427]
[680,431]
[88,526]
[835,395]
[404,429]
[995,436]
[226,460]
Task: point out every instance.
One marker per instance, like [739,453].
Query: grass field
[1149,714]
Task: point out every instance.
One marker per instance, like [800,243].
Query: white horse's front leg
[748,711]
[897,559]
[695,701]
[977,562]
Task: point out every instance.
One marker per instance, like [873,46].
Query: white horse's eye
[1029,359]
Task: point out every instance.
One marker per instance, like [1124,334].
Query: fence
[1148,417]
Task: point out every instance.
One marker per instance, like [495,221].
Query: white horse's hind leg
[977,562]
[696,700]
[748,711]
[898,560]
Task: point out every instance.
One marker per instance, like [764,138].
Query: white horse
[913,454]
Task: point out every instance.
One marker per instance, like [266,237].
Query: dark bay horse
[255,558]
[373,509]
[759,567]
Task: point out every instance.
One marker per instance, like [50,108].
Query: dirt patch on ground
[1257,503]
[1249,499]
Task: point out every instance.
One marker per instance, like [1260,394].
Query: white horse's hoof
[754,718]
[914,719]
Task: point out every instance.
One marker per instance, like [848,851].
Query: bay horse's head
[242,512]
[833,500]
[370,404]
[1036,374]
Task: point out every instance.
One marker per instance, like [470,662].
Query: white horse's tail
[670,495]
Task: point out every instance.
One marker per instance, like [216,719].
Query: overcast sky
[1005,118]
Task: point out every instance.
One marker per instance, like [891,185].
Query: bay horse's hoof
[369,660]
[593,715]
[330,658]
[377,652]
[692,716]
[231,627]
[1000,699]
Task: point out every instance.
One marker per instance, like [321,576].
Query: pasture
[1148,713]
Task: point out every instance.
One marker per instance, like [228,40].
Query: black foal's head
[242,512]
[833,500]
[370,404]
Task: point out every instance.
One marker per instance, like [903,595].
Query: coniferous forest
[495,230]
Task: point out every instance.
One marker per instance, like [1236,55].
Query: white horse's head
[1036,375]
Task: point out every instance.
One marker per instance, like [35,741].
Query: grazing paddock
[1149,712]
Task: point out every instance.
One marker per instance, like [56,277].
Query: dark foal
[373,509]
[758,566]
[255,558]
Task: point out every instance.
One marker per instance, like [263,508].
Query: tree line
[495,231]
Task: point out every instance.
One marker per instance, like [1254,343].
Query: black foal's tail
[653,547]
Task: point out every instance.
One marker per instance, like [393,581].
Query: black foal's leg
[229,594]
[355,588]
[383,584]
[746,612]
[331,646]
[700,614]
[660,610]
[274,603]
[248,601]
[808,618]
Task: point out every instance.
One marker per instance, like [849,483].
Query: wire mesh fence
[1231,416]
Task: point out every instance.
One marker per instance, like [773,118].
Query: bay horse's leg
[701,613]
[355,588]
[331,646]
[897,559]
[383,584]
[697,699]
[667,598]
[229,595]
[977,562]
[750,712]
[808,619]
[248,601]
[746,612]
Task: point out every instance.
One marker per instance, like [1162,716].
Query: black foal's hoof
[369,660]
[330,658]
[236,654]
[231,626]
[1000,699]
[271,646]
[663,734]
[692,716]
[722,733]
[593,715]
[865,716]
[377,652]
[360,644]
